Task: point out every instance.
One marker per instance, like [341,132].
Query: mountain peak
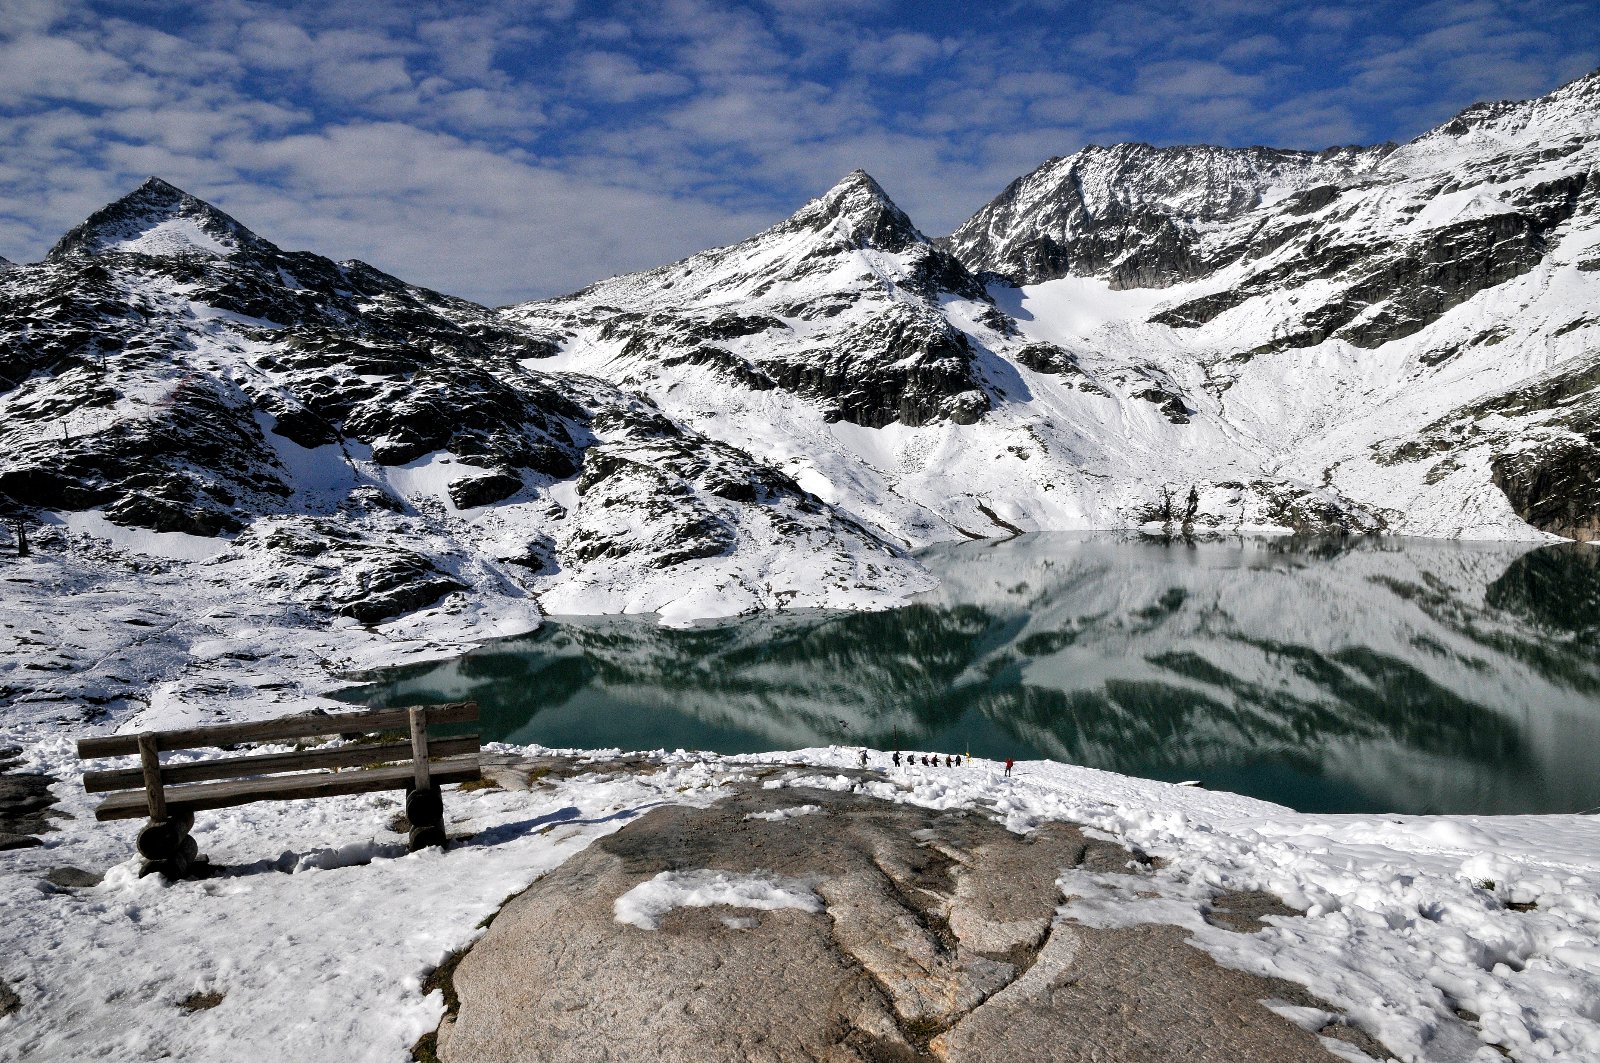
[858,180]
[861,211]
[157,218]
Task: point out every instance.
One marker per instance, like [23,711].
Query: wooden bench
[170,794]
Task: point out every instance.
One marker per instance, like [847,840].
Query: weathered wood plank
[202,796]
[150,772]
[303,725]
[350,756]
[419,748]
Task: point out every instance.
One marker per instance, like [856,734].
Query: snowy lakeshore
[1445,937]
[317,932]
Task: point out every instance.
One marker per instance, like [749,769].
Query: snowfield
[320,929]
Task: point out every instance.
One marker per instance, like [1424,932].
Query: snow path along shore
[319,929]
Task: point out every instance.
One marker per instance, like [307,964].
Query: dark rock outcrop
[1554,486]
[1390,289]
[25,811]
[898,366]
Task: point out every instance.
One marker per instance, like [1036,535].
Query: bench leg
[425,810]
[167,846]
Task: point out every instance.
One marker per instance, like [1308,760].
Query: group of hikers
[932,760]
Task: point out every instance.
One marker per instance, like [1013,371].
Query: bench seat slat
[202,796]
[350,756]
[303,725]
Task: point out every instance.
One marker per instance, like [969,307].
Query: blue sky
[518,149]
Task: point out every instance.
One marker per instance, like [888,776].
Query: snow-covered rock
[1137,214]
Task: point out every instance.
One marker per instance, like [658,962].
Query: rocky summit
[1399,338]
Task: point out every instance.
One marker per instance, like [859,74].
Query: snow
[1462,205]
[171,236]
[778,815]
[430,476]
[315,932]
[1072,309]
[177,546]
[646,904]
[321,473]
[318,934]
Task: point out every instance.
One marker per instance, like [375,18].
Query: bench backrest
[154,788]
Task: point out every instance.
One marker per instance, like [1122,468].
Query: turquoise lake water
[1328,675]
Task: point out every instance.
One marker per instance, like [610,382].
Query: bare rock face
[9,1001]
[902,934]
[25,811]
[1133,994]
[1134,213]
[1554,487]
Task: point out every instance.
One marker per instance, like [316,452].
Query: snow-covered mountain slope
[839,304]
[327,437]
[846,348]
[1397,338]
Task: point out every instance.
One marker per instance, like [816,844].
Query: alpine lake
[1352,675]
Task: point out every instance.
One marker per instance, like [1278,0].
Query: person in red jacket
[1009,762]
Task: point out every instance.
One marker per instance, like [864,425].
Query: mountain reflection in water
[1344,675]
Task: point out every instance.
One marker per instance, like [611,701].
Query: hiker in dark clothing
[863,758]
[1009,762]
[896,758]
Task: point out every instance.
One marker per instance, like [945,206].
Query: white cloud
[530,147]
[620,79]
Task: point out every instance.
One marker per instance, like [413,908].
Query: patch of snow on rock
[646,904]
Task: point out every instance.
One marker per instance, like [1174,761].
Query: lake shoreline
[1328,675]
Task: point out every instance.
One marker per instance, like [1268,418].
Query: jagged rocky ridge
[846,347]
[838,304]
[330,436]
[1136,214]
[1394,338]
